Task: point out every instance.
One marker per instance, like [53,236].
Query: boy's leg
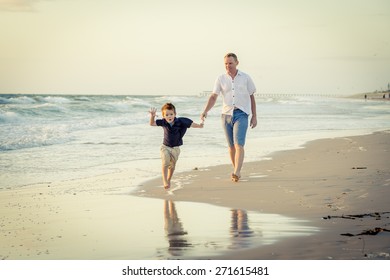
[166,159]
[169,158]
[170,174]
[165,172]
[174,154]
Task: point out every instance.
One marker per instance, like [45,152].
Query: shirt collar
[174,121]
[238,73]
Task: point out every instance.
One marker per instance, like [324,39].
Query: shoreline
[90,218]
[324,182]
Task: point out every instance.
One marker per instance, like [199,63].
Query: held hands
[203,116]
[200,125]
[202,119]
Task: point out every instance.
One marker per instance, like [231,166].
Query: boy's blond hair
[168,106]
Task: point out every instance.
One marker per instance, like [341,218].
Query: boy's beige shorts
[169,156]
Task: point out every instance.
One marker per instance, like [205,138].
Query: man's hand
[203,116]
[253,122]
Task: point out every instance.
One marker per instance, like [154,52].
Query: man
[237,90]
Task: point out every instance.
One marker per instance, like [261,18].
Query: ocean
[51,138]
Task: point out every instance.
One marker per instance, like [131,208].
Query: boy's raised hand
[153,111]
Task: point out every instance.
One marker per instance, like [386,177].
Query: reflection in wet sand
[241,234]
[206,230]
[177,236]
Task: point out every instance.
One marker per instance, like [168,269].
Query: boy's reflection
[240,232]
[174,230]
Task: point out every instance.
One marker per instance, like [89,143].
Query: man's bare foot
[235,178]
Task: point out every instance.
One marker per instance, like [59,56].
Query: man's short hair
[231,55]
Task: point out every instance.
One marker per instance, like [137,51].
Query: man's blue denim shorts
[235,127]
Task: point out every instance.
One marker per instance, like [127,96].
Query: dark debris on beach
[374,231]
[376,215]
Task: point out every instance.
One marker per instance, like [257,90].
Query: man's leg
[239,159]
[240,126]
[228,129]
[232,154]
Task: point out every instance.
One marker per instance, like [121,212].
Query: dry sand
[341,185]
[328,178]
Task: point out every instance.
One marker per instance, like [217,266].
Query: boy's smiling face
[169,115]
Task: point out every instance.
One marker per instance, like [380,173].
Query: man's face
[230,65]
[169,115]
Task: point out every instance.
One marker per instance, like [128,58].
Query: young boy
[174,130]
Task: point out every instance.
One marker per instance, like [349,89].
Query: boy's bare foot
[167,187]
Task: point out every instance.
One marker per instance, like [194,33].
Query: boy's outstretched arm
[152,113]
[196,125]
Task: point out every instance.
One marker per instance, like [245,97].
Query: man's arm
[210,104]
[253,123]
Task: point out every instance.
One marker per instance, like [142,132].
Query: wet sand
[331,183]
[342,186]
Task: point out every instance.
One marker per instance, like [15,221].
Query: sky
[177,46]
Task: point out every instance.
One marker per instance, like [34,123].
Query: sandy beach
[341,186]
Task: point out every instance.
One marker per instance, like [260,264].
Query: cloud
[18,5]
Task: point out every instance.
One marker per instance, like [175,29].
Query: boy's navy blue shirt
[173,135]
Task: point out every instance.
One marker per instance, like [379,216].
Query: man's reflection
[174,230]
[240,232]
